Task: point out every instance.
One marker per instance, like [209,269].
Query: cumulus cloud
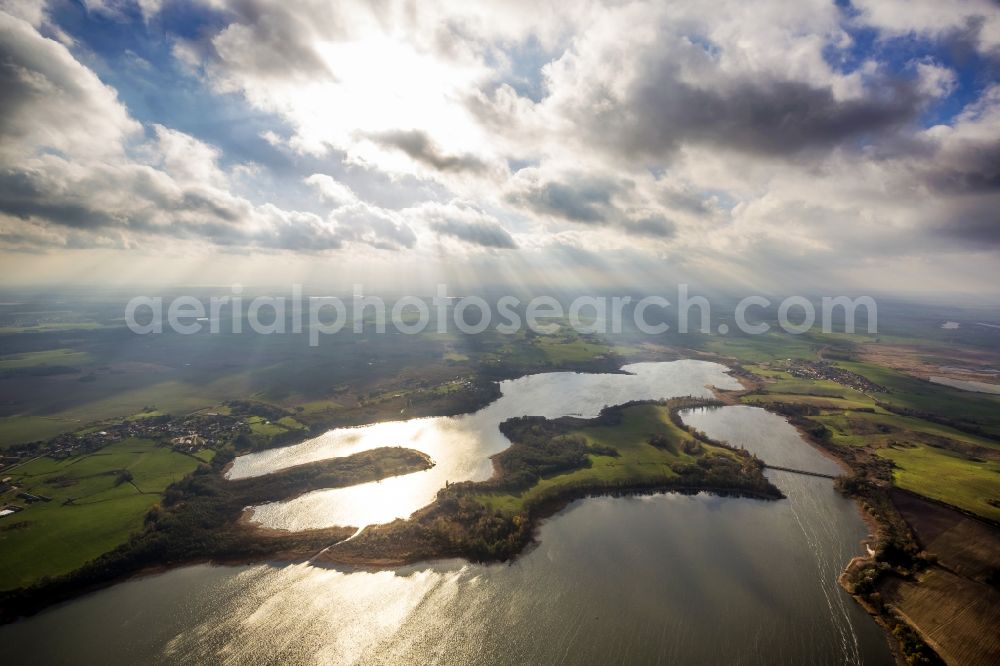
[581,198]
[186,158]
[485,234]
[374,226]
[51,101]
[653,227]
[748,135]
[928,18]
[684,79]
[331,191]
[594,201]
[768,117]
[76,170]
[465,222]
[31,11]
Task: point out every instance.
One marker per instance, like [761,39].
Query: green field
[73,404]
[26,428]
[763,348]
[261,426]
[818,401]
[559,350]
[92,509]
[950,478]
[939,461]
[907,392]
[53,326]
[816,387]
[859,428]
[638,461]
[52,357]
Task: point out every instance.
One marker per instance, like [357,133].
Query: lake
[656,579]
[460,446]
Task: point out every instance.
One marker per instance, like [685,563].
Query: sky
[850,145]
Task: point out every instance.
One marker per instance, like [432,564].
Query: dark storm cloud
[48,194]
[24,243]
[972,168]
[591,201]
[687,202]
[653,227]
[14,81]
[154,206]
[974,224]
[962,46]
[157,208]
[419,147]
[584,200]
[204,202]
[23,196]
[776,118]
[679,95]
[480,232]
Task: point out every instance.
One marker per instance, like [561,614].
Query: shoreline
[871,521]
[320,559]
[302,548]
[446,527]
[545,510]
[867,513]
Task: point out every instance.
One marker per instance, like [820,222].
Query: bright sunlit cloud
[606,142]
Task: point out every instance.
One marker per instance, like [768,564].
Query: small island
[638,447]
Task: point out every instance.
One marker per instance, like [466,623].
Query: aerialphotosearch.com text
[318,316]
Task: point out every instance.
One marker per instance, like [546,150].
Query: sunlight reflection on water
[668,578]
[460,446]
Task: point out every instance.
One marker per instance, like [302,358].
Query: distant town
[802,369]
[186,434]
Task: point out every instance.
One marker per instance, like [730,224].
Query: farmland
[95,502]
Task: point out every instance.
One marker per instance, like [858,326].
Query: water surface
[671,579]
[460,446]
